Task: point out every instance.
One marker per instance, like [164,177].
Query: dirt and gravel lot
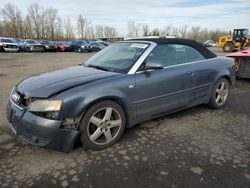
[198,147]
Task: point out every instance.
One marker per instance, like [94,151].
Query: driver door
[167,89]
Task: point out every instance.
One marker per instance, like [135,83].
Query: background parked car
[80,46]
[31,45]
[7,45]
[19,42]
[62,47]
[96,46]
[210,43]
[202,42]
[48,46]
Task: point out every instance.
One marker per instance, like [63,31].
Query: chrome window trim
[138,63]
[188,63]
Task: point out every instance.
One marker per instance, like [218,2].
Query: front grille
[30,138]
[11,46]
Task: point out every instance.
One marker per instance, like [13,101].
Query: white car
[7,45]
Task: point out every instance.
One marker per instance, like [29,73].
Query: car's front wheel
[102,125]
[220,93]
[79,50]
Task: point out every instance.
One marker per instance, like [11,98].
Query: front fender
[78,99]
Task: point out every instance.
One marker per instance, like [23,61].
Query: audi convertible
[127,83]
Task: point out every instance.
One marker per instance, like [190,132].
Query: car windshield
[7,40]
[81,43]
[47,42]
[17,40]
[32,42]
[59,43]
[119,57]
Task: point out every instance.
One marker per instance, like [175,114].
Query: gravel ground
[198,147]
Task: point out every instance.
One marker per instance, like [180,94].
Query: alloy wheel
[221,93]
[104,126]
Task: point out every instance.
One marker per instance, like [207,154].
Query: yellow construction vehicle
[235,42]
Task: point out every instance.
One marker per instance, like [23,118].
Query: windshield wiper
[98,67]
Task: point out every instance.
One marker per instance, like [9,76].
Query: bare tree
[51,18]
[90,33]
[145,30]
[36,14]
[69,33]
[59,29]
[175,31]
[1,28]
[131,29]
[167,31]
[194,33]
[99,31]
[155,32]
[82,25]
[28,28]
[109,32]
[183,31]
[13,18]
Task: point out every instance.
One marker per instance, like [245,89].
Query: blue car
[124,84]
[80,46]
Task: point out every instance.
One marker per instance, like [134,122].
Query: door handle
[190,73]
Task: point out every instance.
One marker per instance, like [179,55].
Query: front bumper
[36,49]
[40,131]
[10,49]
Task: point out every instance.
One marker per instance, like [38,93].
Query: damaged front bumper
[40,131]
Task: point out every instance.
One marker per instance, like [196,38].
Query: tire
[79,50]
[99,133]
[228,47]
[1,49]
[220,94]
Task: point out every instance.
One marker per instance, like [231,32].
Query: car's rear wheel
[220,93]
[102,125]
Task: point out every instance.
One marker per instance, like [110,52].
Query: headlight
[45,105]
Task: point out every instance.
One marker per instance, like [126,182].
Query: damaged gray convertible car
[126,83]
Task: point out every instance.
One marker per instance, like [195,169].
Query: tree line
[45,23]
[184,31]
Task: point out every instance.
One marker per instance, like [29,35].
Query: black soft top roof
[202,49]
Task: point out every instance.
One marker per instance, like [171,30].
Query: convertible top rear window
[199,47]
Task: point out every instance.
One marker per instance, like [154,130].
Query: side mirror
[153,65]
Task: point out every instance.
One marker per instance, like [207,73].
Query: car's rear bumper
[40,131]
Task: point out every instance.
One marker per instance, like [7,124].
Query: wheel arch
[228,79]
[115,99]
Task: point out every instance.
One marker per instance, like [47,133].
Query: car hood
[47,84]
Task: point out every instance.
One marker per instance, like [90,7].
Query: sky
[211,14]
